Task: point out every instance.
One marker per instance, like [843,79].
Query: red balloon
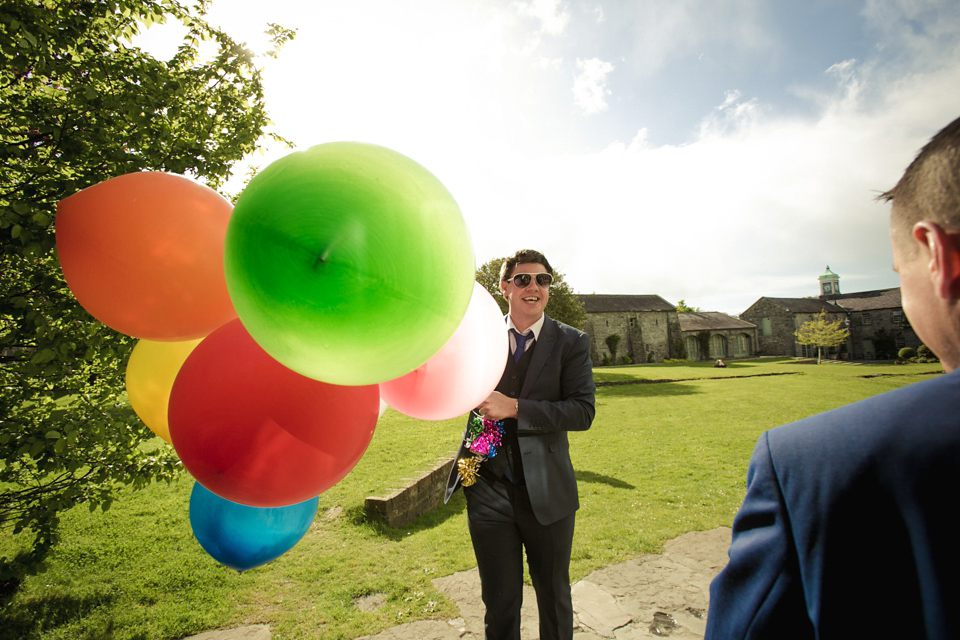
[255,432]
[143,254]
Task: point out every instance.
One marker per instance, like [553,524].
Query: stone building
[777,318]
[711,335]
[647,325]
[878,327]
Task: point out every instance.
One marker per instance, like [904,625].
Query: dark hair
[524,256]
[930,187]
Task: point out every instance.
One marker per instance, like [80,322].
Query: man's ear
[943,249]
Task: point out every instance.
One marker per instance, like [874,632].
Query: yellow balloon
[151,370]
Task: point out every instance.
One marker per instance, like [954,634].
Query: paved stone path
[651,596]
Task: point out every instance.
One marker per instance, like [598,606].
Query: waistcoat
[510,385]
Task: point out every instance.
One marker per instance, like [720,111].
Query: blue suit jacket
[557,397]
[849,526]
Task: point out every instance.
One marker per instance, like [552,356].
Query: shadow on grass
[643,390]
[601,377]
[362,517]
[33,617]
[590,476]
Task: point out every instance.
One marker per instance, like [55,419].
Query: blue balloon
[243,537]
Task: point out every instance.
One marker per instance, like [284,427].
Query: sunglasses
[523,279]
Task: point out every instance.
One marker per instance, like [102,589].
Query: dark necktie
[521,343]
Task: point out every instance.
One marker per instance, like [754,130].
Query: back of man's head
[930,187]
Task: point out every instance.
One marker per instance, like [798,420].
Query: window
[633,321]
[693,348]
[765,327]
[741,346]
[718,346]
[865,319]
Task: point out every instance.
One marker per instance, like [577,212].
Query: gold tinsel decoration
[468,468]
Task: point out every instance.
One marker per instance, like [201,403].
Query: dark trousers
[502,525]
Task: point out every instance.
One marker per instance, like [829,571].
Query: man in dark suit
[848,528]
[525,496]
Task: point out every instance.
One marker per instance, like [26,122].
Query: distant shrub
[605,361]
[677,360]
[923,351]
[626,360]
[906,353]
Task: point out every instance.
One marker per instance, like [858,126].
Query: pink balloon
[462,373]
[255,432]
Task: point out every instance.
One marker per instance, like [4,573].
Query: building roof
[827,275]
[868,300]
[803,305]
[711,321]
[599,303]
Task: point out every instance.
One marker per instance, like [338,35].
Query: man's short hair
[524,256]
[930,187]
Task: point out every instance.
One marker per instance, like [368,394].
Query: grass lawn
[665,456]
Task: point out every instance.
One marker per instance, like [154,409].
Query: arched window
[741,346]
[718,346]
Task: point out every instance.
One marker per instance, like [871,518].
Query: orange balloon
[143,254]
[151,370]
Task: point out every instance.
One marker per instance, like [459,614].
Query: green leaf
[42,356]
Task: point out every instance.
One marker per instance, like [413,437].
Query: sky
[704,150]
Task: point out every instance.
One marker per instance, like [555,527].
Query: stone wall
[415,498]
[644,335]
[779,341]
[867,329]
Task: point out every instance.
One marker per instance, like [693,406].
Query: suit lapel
[545,342]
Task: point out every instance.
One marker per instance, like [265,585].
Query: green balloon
[348,263]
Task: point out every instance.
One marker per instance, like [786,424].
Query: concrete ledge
[415,498]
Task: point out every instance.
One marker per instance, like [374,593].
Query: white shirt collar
[535,327]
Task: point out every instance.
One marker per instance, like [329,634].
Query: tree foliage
[79,104]
[613,342]
[564,305]
[683,308]
[820,332]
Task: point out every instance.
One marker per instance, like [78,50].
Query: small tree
[925,354]
[821,333]
[613,341]
[907,353]
[683,308]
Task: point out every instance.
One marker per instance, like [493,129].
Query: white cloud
[590,85]
[552,18]
[756,203]
[665,30]
[743,211]
[731,115]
